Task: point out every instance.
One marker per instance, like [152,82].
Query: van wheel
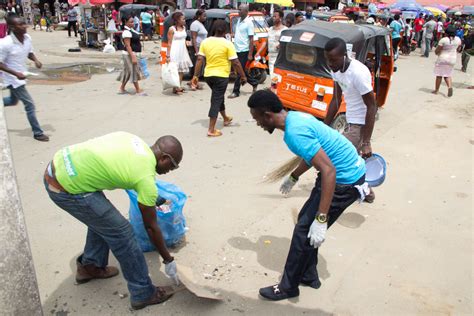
[339,123]
[258,75]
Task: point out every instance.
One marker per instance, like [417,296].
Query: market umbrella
[281,3]
[442,7]
[468,9]
[436,12]
[407,5]
[460,10]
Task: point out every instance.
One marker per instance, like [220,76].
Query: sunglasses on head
[173,162]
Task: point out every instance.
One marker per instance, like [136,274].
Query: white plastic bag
[109,48]
[170,75]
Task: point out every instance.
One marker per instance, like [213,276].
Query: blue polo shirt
[305,136]
[243,30]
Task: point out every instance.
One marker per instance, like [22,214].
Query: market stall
[94,21]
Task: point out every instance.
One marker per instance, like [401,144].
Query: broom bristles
[283,170]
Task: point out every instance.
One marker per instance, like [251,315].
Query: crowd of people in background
[448,36]
[423,32]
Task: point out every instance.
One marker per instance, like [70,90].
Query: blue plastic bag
[144,67]
[171,222]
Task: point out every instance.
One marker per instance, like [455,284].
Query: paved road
[408,253]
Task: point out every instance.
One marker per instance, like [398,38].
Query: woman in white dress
[274,39]
[447,50]
[177,50]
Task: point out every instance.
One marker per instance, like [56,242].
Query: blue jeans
[107,229]
[21,94]
[427,47]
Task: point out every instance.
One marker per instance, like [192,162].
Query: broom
[283,170]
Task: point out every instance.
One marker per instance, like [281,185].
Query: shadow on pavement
[220,123]
[27,131]
[272,252]
[350,220]
[461,85]
[110,297]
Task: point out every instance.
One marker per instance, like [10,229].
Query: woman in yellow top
[219,55]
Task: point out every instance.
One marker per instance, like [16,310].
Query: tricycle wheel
[258,75]
[339,123]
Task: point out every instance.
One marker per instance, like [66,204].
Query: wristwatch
[322,218]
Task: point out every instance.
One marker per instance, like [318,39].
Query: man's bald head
[243,11]
[244,7]
[168,152]
[170,145]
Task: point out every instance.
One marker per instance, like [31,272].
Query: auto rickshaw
[330,16]
[135,9]
[302,78]
[256,68]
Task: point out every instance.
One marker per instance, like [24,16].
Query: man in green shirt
[75,180]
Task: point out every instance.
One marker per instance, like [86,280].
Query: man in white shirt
[353,80]
[243,42]
[14,49]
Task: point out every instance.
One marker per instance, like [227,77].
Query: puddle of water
[70,73]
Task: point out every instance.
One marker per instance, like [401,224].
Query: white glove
[317,233]
[287,185]
[172,271]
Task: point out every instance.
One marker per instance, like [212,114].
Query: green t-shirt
[114,161]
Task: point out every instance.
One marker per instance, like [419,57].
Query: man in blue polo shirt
[243,42]
[340,168]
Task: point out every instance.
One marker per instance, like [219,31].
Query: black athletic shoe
[274,293]
[41,138]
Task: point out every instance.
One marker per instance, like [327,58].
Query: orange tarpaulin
[448,3]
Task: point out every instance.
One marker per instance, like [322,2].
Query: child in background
[48,18]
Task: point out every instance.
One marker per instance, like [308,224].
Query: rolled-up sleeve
[147,191]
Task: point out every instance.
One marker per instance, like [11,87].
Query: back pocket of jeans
[98,203]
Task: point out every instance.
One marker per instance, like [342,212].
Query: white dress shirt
[13,54]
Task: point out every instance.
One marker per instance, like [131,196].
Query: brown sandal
[229,120]
[216,133]
[178,91]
